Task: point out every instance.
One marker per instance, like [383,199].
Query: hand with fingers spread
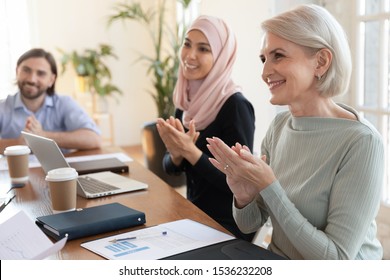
[179,144]
[246,174]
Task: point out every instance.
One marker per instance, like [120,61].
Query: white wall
[75,24]
[79,24]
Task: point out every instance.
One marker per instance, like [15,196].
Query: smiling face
[288,70]
[196,56]
[34,77]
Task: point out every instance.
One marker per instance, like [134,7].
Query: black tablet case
[99,165]
[235,249]
[90,221]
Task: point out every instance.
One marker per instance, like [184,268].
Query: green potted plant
[164,63]
[163,66]
[91,68]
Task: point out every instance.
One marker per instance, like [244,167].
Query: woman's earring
[318,77]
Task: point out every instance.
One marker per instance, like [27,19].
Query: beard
[28,93]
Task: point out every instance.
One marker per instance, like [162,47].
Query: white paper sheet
[152,244]
[21,239]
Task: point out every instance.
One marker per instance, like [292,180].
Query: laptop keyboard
[93,186]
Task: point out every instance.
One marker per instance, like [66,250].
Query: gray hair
[313,27]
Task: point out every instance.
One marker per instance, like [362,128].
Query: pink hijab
[201,100]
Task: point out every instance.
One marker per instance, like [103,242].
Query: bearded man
[36,108]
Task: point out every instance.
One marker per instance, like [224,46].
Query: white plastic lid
[17,150]
[61,174]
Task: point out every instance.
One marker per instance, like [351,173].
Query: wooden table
[160,203]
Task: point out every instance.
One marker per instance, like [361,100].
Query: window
[15,40]
[373,75]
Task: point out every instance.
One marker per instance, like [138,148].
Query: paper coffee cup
[63,188]
[17,159]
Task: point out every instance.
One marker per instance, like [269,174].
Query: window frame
[382,109]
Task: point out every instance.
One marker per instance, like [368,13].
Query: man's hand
[34,126]
[79,139]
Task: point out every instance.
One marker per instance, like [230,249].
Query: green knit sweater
[330,175]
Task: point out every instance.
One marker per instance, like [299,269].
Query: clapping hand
[246,174]
[178,142]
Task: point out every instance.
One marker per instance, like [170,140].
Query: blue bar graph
[124,248]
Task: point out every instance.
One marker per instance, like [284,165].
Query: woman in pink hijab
[208,103]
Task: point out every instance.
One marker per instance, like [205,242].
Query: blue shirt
[58,113]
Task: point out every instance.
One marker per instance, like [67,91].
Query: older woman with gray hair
[321,172]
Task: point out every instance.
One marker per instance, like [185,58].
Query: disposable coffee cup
[63,188]
[17,159]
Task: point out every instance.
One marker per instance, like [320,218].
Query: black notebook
[90,221]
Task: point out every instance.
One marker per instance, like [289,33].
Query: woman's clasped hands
[246,174]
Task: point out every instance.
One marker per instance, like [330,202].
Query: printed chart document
[157,242]
[21,239]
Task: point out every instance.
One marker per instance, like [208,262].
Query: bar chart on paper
[157,242]
[123,248]
[147,243]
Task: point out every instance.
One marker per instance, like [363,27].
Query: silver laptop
[89,185]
